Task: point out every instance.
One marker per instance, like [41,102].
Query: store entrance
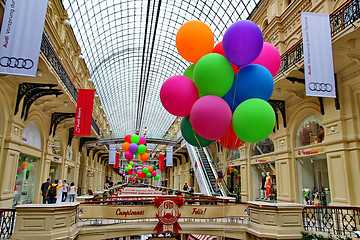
[264,182]
[55,171]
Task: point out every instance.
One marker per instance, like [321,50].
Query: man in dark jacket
[44,188]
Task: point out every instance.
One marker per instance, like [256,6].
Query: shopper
[52,192]
[44,188]
[59,192]
[191,188]
[72,192]
[64,191]
[185,187]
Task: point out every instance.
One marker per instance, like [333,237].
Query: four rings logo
[13,62]
[323,87]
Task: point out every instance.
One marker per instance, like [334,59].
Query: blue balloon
[229,97]
[253,81]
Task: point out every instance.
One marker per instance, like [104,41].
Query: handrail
[7,221]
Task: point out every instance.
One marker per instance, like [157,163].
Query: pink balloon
[178,94]
[142,141]
[34,163]
[129,155]
[211,117]
[153,173]
[269,57]
[19,170]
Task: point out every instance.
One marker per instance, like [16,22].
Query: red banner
[116,165]
[84,110]
[161,162]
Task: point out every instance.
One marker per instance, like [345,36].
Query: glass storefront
[70,175]
[26,179]
[313,177]
[263,147]
[264,182]
[55,171]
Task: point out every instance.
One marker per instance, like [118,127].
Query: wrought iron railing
[339,221]
[341,18]
[7,221]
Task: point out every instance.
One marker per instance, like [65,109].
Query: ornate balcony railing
[7,221]
[341,18]
[339,221]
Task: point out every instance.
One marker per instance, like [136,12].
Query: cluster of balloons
[235,171]
[135,145]
[29,168]
[145,172]
[223,95]
[131,168]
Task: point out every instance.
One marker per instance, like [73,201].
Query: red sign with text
[84,108]
[161,162]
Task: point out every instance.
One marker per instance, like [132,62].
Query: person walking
[72,192]
[64,191]
[52,192]
[44,188]
[59,192]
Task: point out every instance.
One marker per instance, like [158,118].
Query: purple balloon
[133,147]
[129,155]
[242,42]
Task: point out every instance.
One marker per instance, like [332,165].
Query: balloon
[133,147]
[193,40]
[230,140]
[219,49]
[128,138]
[231,170]
[153,173]
[242,42]
[142,140]
[253,81]
[129,167]
[24,165]
[130,172]
[148,175]
[141,175]
[135,138]
[19,170]
[33,172]
[157,177]
[144,157]
[126,169]
[129,155]
[125,146]
[139,158]
[189,72]
[31,167]
[236,172]
[154,167]
[178,94]
[230,99]
[145,170]
[34,163]
[269,57]
[211,117]
[141,149]
[131,163]
[150,168]
[253,120]
[213,75]
[191,136]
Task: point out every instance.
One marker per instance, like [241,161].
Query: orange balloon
[150,168]
[144,157]
[24,165]
[194,40]
[125,146]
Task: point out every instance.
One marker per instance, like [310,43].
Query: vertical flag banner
[169,156]
[20,37]
[84,108]
[117,157]
[112,154]
[161,161]
[318,58]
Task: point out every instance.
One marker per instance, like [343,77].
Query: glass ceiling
[129,48]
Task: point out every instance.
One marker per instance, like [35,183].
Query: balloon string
[232,159]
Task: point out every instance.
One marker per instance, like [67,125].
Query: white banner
[169,156]
[158,182]
[112,154]
[20,37]
[318,59]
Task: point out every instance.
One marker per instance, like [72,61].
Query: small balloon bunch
[235,171]
[223,95]
[148,172]
[29,168]
[135,145]
[131,168]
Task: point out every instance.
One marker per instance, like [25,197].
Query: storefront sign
[168,213]
[264,159]
[311,151]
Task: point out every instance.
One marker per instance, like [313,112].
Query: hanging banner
[20,37]
[318,59]
[117,157]
[112,154]
[161,161]
[169,156]
[84,110]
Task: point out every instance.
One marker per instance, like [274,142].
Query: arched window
[310,132]
[31,135]
[56,147]
[263,147]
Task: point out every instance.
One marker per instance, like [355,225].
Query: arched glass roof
[129,48]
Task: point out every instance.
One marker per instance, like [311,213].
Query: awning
[201,237]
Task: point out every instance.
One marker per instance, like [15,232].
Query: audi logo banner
[318,59]
[20,37]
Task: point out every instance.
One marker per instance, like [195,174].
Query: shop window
[31,135]
[71,153]
[56,147]
[264,182]
[263,147]
[310,132]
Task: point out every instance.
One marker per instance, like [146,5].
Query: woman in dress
[60,192]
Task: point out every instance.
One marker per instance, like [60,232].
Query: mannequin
[268,186]
[306,192]
[262,188]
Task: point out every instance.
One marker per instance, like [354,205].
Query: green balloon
[148,175]
[190,71]
[146,170]
[131,163]
[213,75]
[141,149]
[253,120]
[236,172]
[126,169]
[157,177]
[31,167]
[189,134]
[135,138]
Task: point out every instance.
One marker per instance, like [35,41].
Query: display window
[70,174]
[55,171]
[313,178]
[310,132]
[263,147]
[26,179]
[56,147]
[264,182]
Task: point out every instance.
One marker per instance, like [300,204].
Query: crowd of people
[57,191]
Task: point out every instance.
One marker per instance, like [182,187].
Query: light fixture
[282,141]
[332,129]
[67,22]
[38,73]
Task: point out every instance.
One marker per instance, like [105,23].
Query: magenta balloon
[19,170]
[178,94]
[242,42]
[129,155]
[211,117]
[153,173]
[142,141]
[269,58]
[133,147]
